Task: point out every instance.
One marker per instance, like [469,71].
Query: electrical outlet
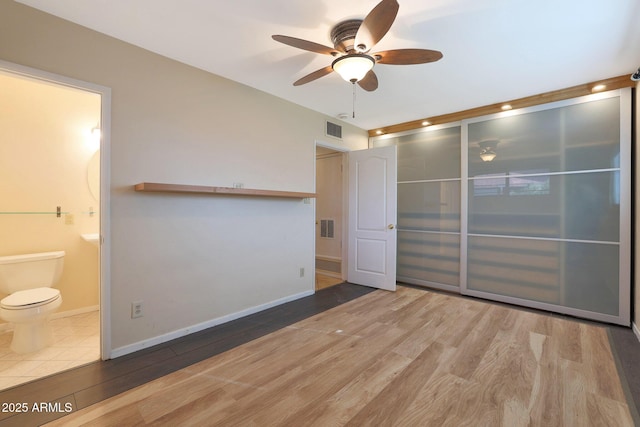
[68,219]
[136,309]
[301,271]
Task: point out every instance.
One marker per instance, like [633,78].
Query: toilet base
[31,336]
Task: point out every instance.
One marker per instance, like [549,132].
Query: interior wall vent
[334,130]
[326,228]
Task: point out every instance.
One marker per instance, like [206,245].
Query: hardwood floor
[324,281]
[83,386]
[408,358]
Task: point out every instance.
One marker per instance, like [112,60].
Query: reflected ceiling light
[598,88]
[353,67]
[425,123]
[488,150]
[506,107]
[378,132]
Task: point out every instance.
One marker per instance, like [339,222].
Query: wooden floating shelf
[154,187]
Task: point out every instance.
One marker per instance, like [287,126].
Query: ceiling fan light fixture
[488,150]
[487,155]
[353,67]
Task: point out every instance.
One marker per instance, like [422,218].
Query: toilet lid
[30,297]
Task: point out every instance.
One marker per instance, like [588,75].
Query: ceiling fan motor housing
[343,35]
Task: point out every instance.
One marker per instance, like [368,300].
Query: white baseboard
[75,312]
[635,330]
[130,348]
[59,315]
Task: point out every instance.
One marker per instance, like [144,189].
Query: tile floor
[76,342]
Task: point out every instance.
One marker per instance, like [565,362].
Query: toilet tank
[29,271]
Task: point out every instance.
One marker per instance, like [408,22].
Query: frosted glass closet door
[429,168]
[544,216]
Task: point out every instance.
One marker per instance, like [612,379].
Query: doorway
[55,197]
[330,217]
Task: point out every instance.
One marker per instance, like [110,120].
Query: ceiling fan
[353,40]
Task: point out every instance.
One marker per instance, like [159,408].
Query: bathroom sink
[92,238]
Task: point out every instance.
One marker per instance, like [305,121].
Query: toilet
[28,281]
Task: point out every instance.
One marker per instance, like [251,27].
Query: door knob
[391,226]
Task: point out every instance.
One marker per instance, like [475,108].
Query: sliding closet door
[548,216]
[428,206]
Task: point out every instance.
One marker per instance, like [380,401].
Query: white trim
[464,205]
[526,175]
[562,309]
[130,348]
[409,230]
[75,312]
[331,145]
[546,106]
[105,168]
[423,181]
[429,128]
[429,285]
[626,188]
[550,239]
[345,200]
[636,331]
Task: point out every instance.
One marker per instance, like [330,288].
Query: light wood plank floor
[409,358]
[324,281]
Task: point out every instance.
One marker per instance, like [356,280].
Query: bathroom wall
[190,259]
[45,150]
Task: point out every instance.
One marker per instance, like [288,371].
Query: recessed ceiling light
[598,88]
[506,107]
[425,123]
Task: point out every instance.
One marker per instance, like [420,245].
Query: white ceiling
[494,50]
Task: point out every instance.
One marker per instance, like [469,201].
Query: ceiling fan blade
[314,76]
[407,56]
[376,24]
[306,45]
[369,82]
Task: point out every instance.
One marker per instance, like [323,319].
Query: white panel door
[372,217]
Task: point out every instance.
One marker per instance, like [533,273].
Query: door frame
[345,202]
[105,168]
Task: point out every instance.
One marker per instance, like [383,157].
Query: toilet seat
[29,298]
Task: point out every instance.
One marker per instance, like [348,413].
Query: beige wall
[45,149]
[190,259]
[329,204]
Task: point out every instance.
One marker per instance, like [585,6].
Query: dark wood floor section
[84,386]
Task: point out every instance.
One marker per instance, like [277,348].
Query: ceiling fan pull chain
[354,100]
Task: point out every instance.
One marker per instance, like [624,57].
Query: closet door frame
[624,267]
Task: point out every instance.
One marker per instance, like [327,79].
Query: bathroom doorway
[54,134]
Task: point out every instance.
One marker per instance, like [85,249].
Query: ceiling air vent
[334,130]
